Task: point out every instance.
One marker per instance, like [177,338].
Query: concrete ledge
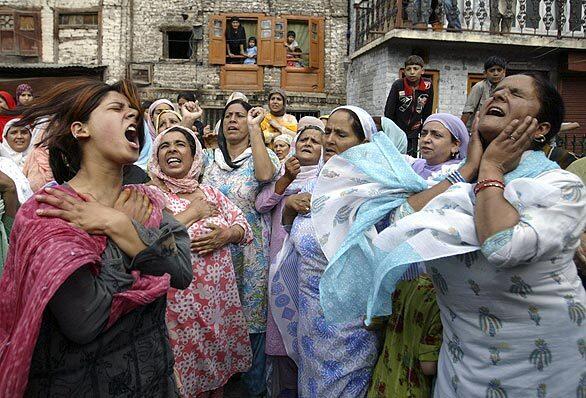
[485,38]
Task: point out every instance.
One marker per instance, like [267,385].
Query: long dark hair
[69,102]
[222,139]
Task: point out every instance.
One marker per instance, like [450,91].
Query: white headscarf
[5,150]
[365,119]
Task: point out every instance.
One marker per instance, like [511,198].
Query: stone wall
[371,74]
[131,31]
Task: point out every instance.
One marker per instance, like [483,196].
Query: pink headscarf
[187,184]
[152,108]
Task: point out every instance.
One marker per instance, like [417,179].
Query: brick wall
[134,34]
[371,75]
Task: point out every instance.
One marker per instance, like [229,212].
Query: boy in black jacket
[410,101]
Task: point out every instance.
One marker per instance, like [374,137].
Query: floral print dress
[207,328]
[514,315]
[251,262]
[335,360]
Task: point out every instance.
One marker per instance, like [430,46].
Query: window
[20,33]
[178,45]
[433,76]
[78,20]
[301,72]
[473,78]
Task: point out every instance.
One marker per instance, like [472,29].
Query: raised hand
[292,168]
[191,110]
[256,116]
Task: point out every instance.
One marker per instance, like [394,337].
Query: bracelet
[488,183]
[455,177]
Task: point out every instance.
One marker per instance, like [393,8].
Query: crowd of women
[266,256]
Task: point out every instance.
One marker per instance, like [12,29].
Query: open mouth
[173,160]
[132,136]
[494,111]
[330,151]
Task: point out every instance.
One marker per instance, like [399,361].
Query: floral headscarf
[187,184]
[22,88]
[6,150]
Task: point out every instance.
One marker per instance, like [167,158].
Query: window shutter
[217,35]
[28,33]
[316,42]
[265,41]
[7,44]
[280,38]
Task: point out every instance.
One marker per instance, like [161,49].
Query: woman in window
[239,168]
[90,262]
[208,331]
[235,42]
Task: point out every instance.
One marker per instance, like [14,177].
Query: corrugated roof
[48,66]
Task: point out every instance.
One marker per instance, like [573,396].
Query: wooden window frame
[434,76]
[57,28]
[36,36]
[271,51]
[78,11]
[473,78]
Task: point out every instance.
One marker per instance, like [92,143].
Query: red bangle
[490,180]
[486,184]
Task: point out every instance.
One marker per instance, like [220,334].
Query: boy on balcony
[495,69]
[410,101]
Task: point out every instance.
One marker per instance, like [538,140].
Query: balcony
[517,22]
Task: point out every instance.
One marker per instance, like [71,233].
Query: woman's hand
[300,203]
[216,239]
[474,154]
[274,124]
[504,152]
[292,168]
[256,116]
[191,110]
[135,205]
[210,138]
[87,214]
[203,209]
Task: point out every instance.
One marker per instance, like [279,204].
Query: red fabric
[11,105]
[422,86]
[43,254]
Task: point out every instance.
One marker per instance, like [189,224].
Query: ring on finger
[512,138]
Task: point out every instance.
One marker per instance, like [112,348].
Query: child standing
[251,51]
[410,101]
[495,70]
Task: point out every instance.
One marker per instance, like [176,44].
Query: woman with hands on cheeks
[90,261]
[239,168]
[499,252]
[208,331]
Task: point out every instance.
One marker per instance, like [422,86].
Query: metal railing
[556,18]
